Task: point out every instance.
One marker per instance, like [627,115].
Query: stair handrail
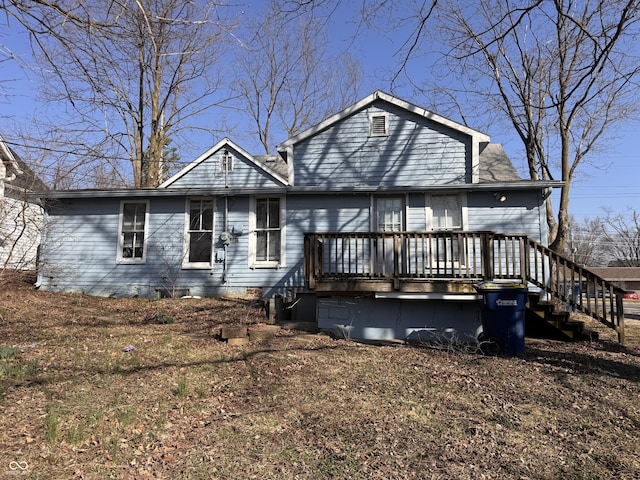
[576,286]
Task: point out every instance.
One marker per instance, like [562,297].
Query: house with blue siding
[380,221]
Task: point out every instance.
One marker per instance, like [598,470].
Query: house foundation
[418,319]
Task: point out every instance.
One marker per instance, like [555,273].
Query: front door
[389,217]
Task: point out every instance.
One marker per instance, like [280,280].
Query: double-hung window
[132,245]
[446,212]
[199,234]
[447,215]
[266,248]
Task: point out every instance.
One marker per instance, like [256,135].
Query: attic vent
[226,162]
[378,126]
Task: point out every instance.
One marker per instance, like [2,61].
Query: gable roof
[380,95]
[264,163]
[495,165]
[275,163]
[9,159]
[17,174]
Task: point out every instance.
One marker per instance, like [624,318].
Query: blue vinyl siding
[522,213]
[414,153]
[81,241]
[81,247]
[416,217]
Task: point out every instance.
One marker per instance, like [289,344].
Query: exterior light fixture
[501,197]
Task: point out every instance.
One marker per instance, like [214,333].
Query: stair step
[545,319]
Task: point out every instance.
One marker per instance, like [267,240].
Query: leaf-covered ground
[95,388]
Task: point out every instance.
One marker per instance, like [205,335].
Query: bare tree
[622,237]
[586,243]
[560,72]
[134,72]
[287,81]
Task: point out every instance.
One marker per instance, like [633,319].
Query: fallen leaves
[183,404]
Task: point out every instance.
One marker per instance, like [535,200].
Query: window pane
[274,213]
[128,210]
[274,246]
[127,245]
[138,222]
[261,213]
[261,246]
[200,247]
[133,216]
[128,215]
[138,245]
[207,216]
[194,215]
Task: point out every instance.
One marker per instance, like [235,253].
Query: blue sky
[615,185]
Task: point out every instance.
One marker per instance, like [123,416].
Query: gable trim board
[224,145]
[379,95]
[8,159]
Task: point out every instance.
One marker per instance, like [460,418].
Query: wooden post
[310,261]
[396,261]
[526,266]
[487,256]
[620,315]
[524,262]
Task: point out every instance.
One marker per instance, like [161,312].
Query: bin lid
[501,286]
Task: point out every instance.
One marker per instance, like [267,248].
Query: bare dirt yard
[98,388]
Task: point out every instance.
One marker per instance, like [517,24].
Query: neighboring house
[238,224]
[628,278]
[21,219]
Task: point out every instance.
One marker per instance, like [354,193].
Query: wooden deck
[367,263]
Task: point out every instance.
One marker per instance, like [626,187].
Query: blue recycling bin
[503,317]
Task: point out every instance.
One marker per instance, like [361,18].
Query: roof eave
[157,193]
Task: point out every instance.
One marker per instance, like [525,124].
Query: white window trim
[185,249]
[252,262]
[132,261]
[385,115]
[429,211]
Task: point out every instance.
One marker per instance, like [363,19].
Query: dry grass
[183,404]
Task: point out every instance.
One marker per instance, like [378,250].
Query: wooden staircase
[544,318]
[564,287]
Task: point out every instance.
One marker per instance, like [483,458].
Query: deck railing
[468,257]
[576,286]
